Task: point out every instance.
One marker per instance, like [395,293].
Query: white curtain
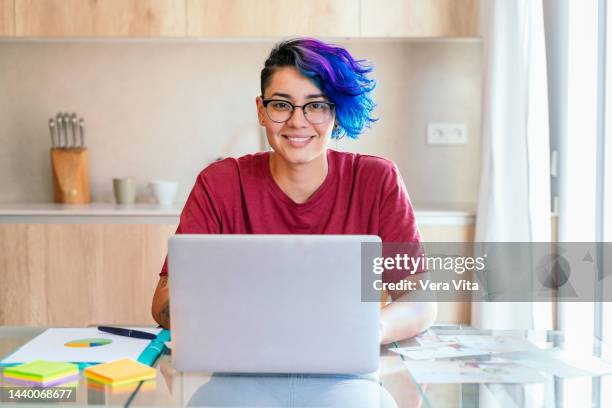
[514,200]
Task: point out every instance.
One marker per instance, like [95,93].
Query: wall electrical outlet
[446,133]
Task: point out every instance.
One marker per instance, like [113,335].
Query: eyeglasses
[280,111]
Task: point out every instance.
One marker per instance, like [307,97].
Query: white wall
[165,109]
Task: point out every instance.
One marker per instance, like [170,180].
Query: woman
[310,92]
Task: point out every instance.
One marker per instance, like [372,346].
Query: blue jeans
[292,390]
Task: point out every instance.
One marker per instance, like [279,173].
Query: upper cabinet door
[239,18]
[271,18]
[120,18]
[419,18]
[7,21]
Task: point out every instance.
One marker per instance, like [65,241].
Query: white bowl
[164,191]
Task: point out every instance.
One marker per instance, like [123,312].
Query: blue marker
[137,334]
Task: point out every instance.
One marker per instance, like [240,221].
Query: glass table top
[552,391]
[391,386]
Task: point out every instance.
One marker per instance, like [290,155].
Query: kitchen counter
[94,213]
[444,214]
[142,213]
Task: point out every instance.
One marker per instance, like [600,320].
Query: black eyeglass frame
[267,101]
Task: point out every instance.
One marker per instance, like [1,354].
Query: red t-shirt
[361,194]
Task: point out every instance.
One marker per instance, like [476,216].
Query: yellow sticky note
[120,372]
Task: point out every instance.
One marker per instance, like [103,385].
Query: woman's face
[296,141]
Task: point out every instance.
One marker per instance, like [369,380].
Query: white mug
[164,191]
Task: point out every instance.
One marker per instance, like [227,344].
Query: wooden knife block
[70,175]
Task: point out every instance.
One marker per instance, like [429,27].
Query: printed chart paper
[463,346]
[491,344]
[471,371]
[50,345]
[442,350]
[562,364]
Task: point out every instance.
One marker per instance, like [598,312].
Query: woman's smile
[298,141]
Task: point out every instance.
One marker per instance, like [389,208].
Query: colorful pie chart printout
[86,343]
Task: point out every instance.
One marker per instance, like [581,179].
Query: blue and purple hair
[333,70]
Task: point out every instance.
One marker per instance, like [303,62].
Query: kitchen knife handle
[73,126]
[52,131]
[82,131]
[66,125]
[58,121]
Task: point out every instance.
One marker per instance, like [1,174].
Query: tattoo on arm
[163,282]
[164,315]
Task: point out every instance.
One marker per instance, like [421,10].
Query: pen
[128,332]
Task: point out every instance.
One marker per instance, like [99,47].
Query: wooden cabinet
[7,18]
[450,312]
[419,18]
[118,18]
[271,18]
[447,232]
[238,18]
[85,274]
[79,274]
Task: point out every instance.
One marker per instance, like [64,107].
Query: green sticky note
[41,370]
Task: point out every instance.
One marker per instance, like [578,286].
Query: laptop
[271,304]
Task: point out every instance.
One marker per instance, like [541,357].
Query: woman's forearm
[160,308]
[162,315]
[405,318]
